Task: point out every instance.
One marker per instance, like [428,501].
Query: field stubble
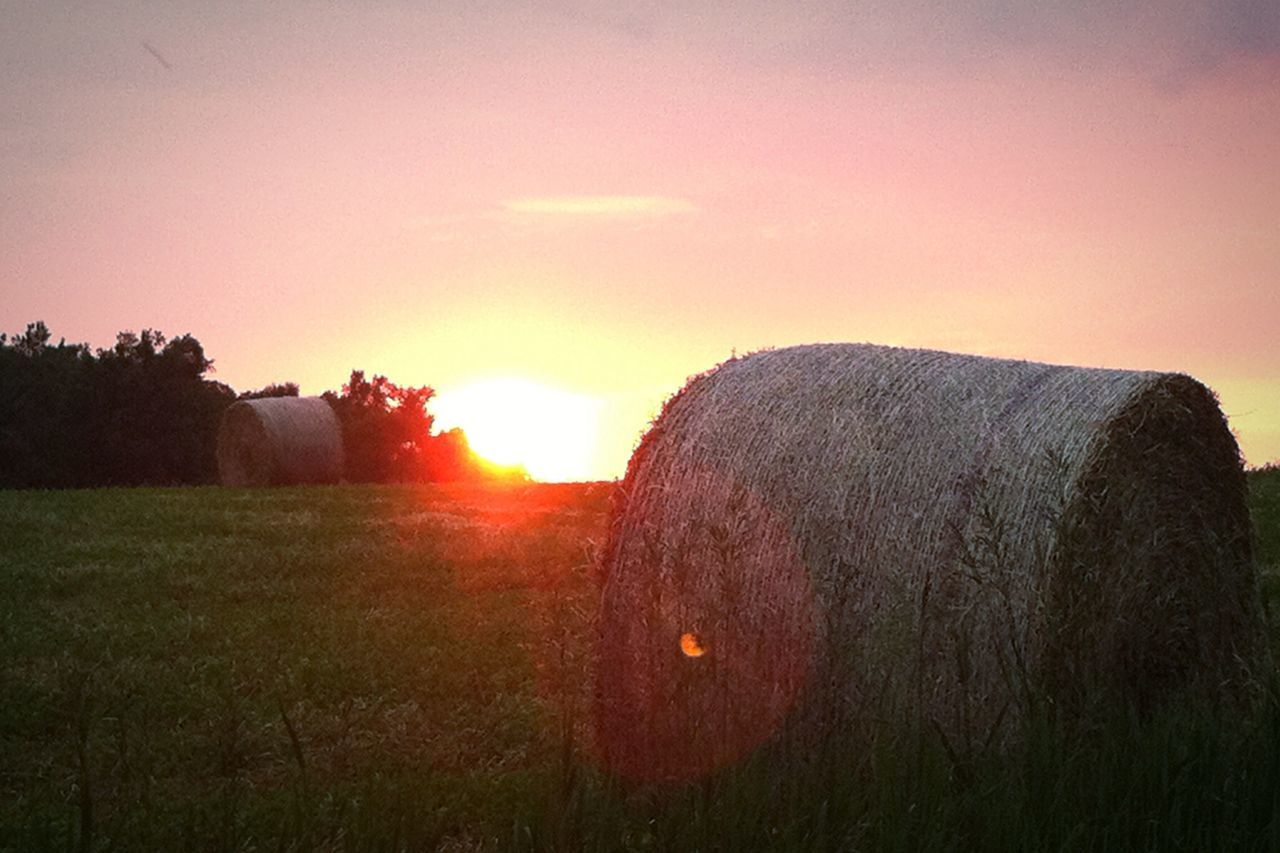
[408,668]
[224,669]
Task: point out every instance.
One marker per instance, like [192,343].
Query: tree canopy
[144,412]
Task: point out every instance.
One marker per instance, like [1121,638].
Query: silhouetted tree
[385,428]
[156,414]
[142,412]
[139,413]
[284,389]
[44,405]
[33,341]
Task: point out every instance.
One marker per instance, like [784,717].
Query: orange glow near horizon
[549,432]
[609,198]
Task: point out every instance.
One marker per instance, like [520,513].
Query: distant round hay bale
[279,441]
[853,533]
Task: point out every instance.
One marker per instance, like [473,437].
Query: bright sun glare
[550,432]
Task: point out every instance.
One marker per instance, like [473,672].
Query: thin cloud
[601,205]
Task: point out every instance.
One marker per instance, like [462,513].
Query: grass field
[406,668]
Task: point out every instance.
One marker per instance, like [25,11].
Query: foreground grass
[1264,504]
[222,669]
[1183,779]
[405,668]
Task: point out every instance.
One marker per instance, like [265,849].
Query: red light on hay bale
[691,645]
[867,531]
[661,718]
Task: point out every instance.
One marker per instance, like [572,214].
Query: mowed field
[223,669]
[408,668]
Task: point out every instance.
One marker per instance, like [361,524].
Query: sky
[605,198]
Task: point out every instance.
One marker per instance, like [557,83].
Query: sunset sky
[607,197]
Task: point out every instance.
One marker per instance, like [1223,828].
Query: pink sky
[610,197]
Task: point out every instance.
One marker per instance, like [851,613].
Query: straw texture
[279,441]
[857,532]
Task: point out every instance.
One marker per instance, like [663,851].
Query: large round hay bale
[279,441]
[854,533]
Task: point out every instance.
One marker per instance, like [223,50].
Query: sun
[549,432]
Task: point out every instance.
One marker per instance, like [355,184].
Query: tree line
[144,413]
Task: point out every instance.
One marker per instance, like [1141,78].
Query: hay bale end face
[279,441]
[850,532]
